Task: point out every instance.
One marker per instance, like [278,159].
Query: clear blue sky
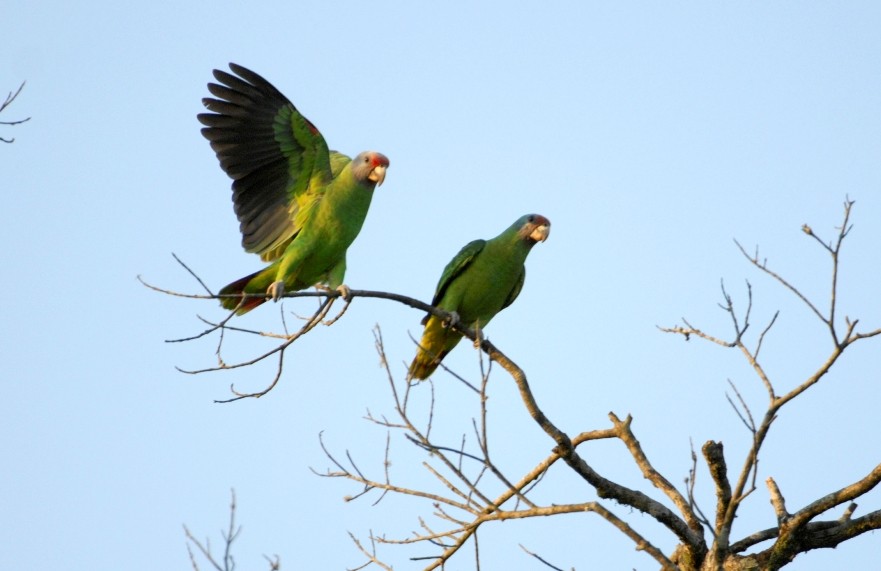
[650,135]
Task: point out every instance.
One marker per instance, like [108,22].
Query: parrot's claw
[452,320]
[345,291]
[276,290]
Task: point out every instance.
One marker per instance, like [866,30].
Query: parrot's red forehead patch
[378,159]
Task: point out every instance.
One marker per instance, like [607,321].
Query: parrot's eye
[532,218]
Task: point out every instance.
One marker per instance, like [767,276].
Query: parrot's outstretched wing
[278,160]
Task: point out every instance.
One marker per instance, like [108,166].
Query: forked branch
[9,99]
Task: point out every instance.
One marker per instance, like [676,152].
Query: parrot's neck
[345,204]
[509,248]
[346,191]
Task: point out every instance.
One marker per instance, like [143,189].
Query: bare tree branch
[714,455]
[648,471]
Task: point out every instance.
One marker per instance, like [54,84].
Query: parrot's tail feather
[424,364]
[238,287]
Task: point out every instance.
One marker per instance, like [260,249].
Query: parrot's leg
[479,340]
[276,290]
[479,336]
[287,270]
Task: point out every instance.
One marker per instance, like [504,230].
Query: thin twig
[536,556]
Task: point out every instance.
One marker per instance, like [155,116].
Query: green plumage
[485,277]
[299,205]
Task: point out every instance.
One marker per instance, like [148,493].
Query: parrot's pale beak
[541,233]
[377,175]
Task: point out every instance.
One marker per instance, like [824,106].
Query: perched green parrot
[299,205]
[485,277]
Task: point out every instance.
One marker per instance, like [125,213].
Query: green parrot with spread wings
[299,205]
[485,277]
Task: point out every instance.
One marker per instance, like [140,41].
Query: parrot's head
[534,228]
[370,166]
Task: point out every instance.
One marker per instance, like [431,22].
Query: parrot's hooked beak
[541,233]
[377,175]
